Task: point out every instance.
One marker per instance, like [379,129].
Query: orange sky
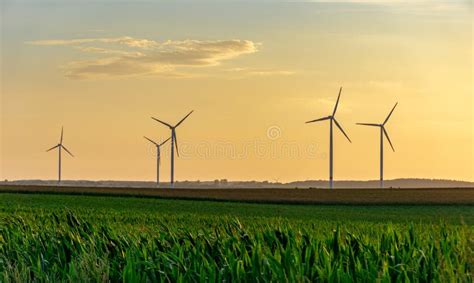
[253,73]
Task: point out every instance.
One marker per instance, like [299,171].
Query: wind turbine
[174,141]
[60,147]
[332,119]
[158,160]
[382,133]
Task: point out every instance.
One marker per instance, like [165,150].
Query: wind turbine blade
[368,124]
[389,141]
[320,119]
[165,141]
[164,123]
[52,148]
[61,139]
[150,140]
[340,128]
[175,142]
[179,123]
[337,102]
[67,150]
[390,114]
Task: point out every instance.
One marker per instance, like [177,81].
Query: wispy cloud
[129,56]
[100,50]
[124,40]
[244,72]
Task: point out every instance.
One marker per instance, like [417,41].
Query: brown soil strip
[307,196]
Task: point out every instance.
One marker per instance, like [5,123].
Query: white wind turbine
[382,133]
[158,157]
[60,147]
[332,120]
[174,142]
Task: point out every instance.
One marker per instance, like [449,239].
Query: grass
[98,238]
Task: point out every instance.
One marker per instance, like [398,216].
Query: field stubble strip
[297,196]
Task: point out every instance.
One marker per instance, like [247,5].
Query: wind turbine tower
[158,157]
[332,120]
[60,147]
[383,132]
[174,142]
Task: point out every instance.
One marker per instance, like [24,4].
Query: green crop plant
[61,246]
[50,238]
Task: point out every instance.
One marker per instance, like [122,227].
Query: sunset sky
[252,71]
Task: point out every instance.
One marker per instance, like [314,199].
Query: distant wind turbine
[174,141]
[382,133]
[158,157]
[60,147]
[332,119]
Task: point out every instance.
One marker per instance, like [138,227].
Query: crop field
[59,237]
[270,195]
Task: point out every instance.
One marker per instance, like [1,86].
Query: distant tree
[216,183]
[223,182]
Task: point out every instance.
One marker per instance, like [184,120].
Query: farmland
[100,238]
[271,195]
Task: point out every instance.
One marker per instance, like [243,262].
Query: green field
[99,238]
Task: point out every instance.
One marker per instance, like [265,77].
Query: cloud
[133,57]
[99,50]
[241,72]
[124,40]
[271,73]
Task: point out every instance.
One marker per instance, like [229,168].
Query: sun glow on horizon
[253,76]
